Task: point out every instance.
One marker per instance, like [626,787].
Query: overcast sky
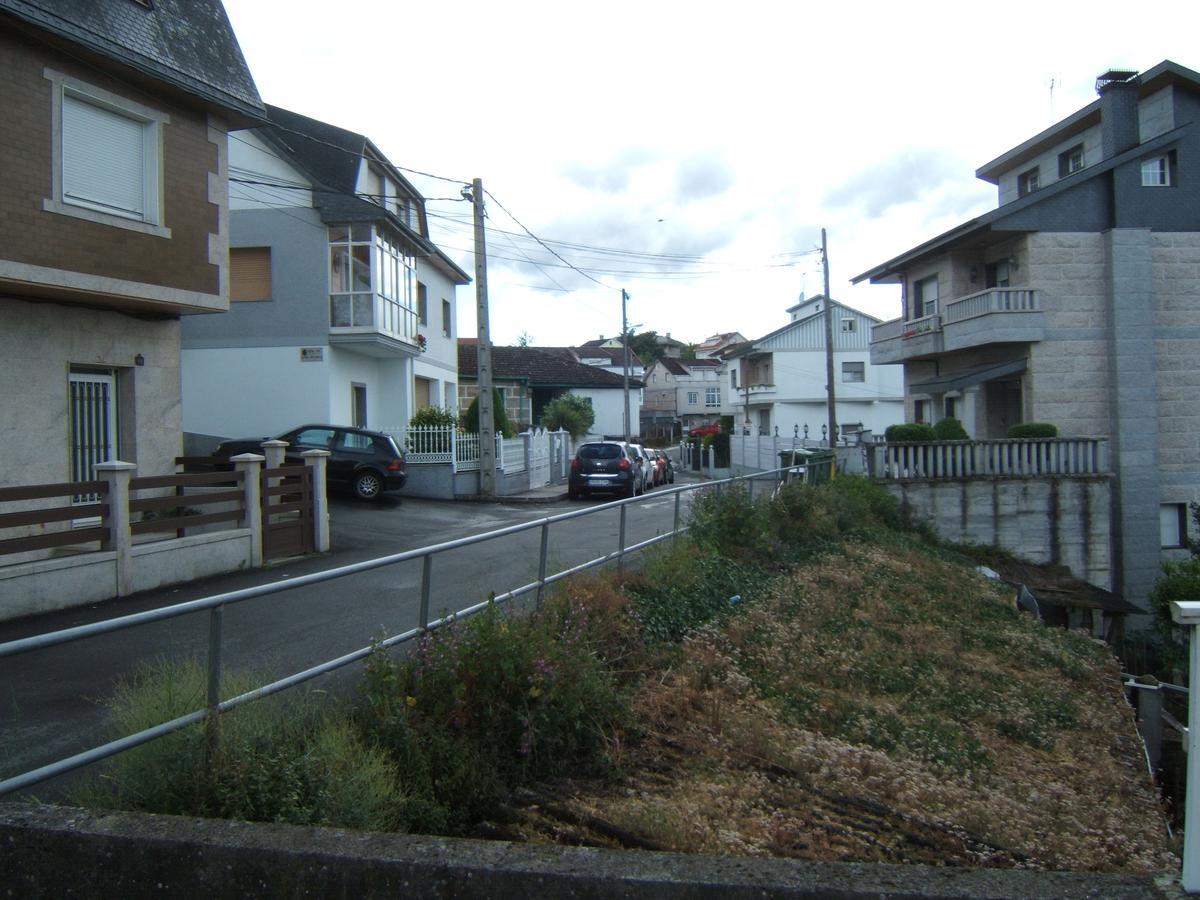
[691,152]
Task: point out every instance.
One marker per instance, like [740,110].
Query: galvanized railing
[215,606]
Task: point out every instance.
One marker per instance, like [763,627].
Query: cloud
[612,177]
[702,176]
[903,178]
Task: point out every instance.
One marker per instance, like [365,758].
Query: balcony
[992,316]
[372,325]
[759,391]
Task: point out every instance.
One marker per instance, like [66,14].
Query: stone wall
[1062,520]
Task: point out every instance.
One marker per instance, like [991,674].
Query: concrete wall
[1065,521]
[40,342]
[48,585]
[59,851]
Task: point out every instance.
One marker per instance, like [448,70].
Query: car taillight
[574,463]
[623,464]
[396,465]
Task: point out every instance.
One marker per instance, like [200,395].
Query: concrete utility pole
[832,400]
[625,344]
[487,416]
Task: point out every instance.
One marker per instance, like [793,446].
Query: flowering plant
[422,341]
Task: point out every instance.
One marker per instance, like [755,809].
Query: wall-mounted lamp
[139,360]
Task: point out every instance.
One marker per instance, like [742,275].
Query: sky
[691,153]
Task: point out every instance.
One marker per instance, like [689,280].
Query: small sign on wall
[312,354]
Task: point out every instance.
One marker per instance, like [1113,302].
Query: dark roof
[332,156]
[538,366]
[188,44]
[682,366]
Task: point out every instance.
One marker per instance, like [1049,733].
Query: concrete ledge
[48,851]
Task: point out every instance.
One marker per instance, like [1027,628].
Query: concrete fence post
[274,452]
[250,465]
[118,475]
[318,461]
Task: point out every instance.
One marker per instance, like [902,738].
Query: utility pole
[487,415]
[625,344]
[829,346]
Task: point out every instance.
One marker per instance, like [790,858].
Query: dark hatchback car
[366,462]
[604,467]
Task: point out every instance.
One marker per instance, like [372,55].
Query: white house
[778,381]
[342,311]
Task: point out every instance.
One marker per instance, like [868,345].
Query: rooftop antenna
[1051,98]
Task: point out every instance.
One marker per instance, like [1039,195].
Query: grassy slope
[884,704]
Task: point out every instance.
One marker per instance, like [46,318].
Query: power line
[550,249]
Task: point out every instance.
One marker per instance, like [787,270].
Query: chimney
[1118,90]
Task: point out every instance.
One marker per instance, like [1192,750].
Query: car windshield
[599,451]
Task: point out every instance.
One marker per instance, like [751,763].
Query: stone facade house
[114,222]
[342,310]
[778,380]
[1076,302]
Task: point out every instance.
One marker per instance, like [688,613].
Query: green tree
[646,346]
[688,352]
[525,339]
[503,425]
[570,413]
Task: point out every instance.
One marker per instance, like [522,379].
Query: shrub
[1033,430]
[909,432]
[487,703]
[950,429]
[433,416]
[570,413]
[293,760]
[1180,580]
[502,423]
[720,448]
[726,424]
[683,588]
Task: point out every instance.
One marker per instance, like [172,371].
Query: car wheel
[572,494]
[368,485]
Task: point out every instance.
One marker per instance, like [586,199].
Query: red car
[704,430]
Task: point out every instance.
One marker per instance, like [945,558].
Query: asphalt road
[51,700]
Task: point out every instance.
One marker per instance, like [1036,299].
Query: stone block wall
[1061,520]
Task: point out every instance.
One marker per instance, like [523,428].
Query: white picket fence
[531,450]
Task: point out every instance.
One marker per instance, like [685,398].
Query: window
[712,397]
[358,405]
[733,378]
[950,406]
[1156,171]
[996,273]
[854,371]
[849,325]
[422,304]
[356,281]
[249,273]
[693,398]
[106,157]
[1172,525]
[1070,161]
[921,411]
[447,324]
[926,291]
[1028,182]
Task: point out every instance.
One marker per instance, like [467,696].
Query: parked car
[701,431]
[643,456]
[366,462]
[605,467]
[666,468]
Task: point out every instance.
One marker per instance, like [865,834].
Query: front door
[1003,399]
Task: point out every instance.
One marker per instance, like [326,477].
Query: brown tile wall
[30,235]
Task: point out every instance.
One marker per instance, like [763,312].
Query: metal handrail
[216,604]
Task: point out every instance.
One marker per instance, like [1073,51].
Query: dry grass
[882,705]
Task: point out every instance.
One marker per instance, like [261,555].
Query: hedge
[1033,430]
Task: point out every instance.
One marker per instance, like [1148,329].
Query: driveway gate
[287,511]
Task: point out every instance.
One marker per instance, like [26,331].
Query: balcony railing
[991,459]
[372,313]
[993,300]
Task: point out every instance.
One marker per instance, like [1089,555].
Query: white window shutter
[103,164]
